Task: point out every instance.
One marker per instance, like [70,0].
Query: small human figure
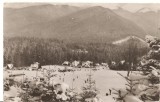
[110,91]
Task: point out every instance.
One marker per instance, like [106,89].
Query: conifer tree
[145,85]
[89,90]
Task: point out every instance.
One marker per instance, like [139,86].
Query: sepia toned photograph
[81,52]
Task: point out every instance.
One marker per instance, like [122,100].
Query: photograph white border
[50,1]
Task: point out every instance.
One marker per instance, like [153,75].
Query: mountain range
[76,24]
[145,18]
[19,18]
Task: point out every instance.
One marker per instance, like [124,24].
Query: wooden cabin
[87,64]
[9,66]
[75,63]
[66,63]
[35,66]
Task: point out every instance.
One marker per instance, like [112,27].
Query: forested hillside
[23,51]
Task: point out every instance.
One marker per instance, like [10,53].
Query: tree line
[23,51]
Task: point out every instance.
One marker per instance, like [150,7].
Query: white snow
[105,80]
[131,98]
[127,39]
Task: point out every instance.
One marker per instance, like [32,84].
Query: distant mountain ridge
[93,24]
[144,10]
[145,18]
[17,18]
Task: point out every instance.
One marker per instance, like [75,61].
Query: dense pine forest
[23,51]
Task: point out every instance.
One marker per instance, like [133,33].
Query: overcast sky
[128,6]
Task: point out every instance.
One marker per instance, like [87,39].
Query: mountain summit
[93,24]
[144,10]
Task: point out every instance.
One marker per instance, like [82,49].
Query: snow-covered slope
[131,41]
[127,39]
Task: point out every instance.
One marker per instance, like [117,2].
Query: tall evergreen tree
[144,86]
